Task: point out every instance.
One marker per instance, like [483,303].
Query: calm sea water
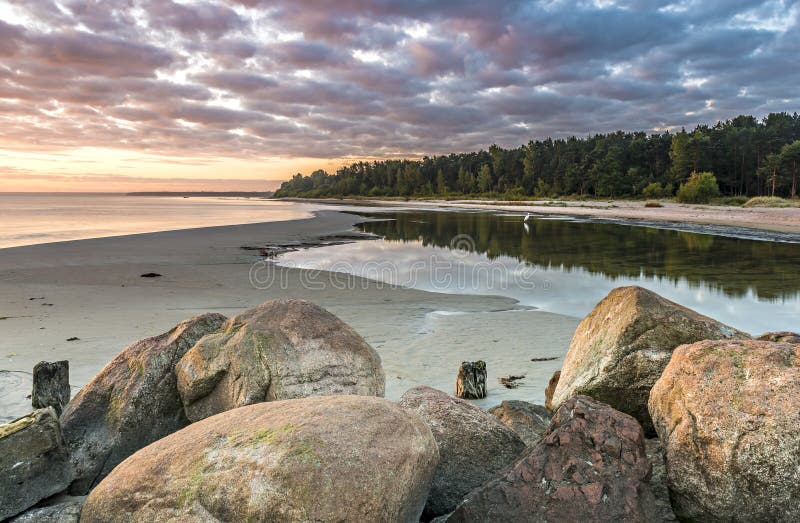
[560,265]
[27,219]
[568,265]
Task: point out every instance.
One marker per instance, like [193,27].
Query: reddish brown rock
[590,466]
[551,388]
[728,414]
[333,458]
[621,348]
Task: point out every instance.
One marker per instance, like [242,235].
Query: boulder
[131,403]
[474,447]
[528,420]
[590,466]
[34,462]
[781,336]
[471,380]
[551,388]
[334,458]
[658,479]
[728,414]
[620,349]
[282,349]
[61,509]
[51,385]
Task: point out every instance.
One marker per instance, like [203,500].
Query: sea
[28,218]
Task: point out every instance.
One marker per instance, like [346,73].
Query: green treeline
[748,157]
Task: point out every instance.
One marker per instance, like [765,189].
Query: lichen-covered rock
[590,466]
[474,446]
[34,463]
[528,420]
[131,403]
[551,388]
[781,336]
[51,385]
[282,349]
[334,458]
[621,348]
[471,380]
[728,414]
[62,509]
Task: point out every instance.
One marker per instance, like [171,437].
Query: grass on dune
[770,201]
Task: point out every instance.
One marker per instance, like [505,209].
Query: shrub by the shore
[769,201]
[653,204]
[700,188]
[656,190]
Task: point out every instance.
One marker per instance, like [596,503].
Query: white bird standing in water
[527,215]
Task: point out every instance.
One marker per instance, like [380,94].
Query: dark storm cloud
[254,78]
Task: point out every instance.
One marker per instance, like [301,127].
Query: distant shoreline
[781,220]
[204,194]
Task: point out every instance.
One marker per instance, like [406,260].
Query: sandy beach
[93,290]
[782,220]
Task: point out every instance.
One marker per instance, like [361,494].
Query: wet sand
[93,290]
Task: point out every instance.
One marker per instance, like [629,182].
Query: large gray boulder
[621,348]
[474,446]
[590,466]
[282,349]
[334,458]
[728,414]
[61,509]
[34,462]
[131,403]
[528,420]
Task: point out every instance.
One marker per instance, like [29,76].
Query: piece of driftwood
[471,381]
[510,382]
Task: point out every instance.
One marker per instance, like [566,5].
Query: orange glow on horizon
[112,170]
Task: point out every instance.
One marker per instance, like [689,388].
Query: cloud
[378,78]
[212,20]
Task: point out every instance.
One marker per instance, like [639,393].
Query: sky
[115,95]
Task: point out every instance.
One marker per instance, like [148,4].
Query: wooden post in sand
[471,381]
[51,385]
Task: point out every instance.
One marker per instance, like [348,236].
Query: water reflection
[734,266]
[567,266]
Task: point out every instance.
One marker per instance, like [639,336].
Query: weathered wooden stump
[471,381]
[51,385]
